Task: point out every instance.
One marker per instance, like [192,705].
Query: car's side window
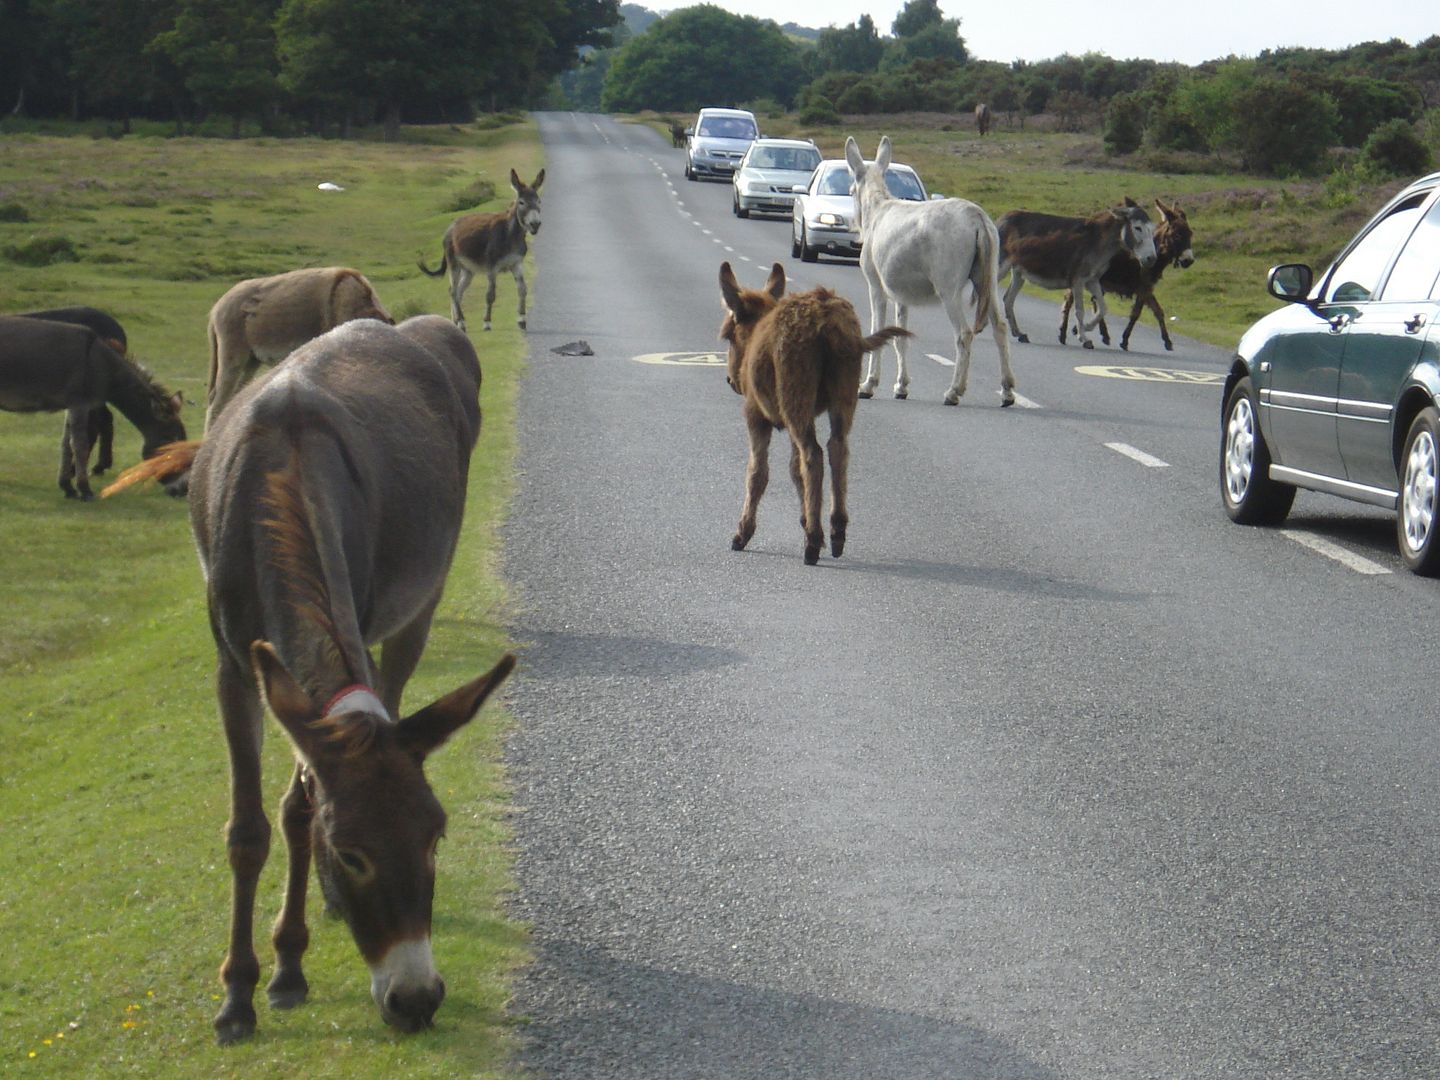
[1358,275]
[1417,270]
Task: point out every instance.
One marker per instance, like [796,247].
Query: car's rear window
[727,127]
[790,158]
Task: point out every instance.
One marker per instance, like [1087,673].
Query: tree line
[319,63]
[1278,113]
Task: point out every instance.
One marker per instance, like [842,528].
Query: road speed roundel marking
[1144,374]
[683,359]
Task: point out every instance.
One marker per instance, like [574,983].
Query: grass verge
[113,778]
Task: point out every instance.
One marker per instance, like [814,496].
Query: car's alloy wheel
[807,253]
[1415,526]
[1250,496]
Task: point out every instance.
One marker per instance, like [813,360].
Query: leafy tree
[856,47]
[936,41]
[1282,127]
[225,53]
[1124,124]
[1394,149]
[916,16]
[699,56]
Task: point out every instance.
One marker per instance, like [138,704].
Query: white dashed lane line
[1343,556]
[1148,460]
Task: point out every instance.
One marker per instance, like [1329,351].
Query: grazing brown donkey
[982,118]
[264,320]
[326,502]
[793,358]
[1126,277]
[489,243]
[48,366]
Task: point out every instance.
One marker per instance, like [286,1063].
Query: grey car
[717,142]
[823,222]
[769,174]
[1339,390]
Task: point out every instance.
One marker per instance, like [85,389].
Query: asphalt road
[1056,773]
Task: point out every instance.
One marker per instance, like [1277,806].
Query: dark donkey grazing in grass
[102,423]
[48,366]
[326,502]
[488,244]
[793,358]
[982,118]
[1126,277]
[1070,253]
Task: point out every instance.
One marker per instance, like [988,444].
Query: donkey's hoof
[866,392]
[738,542]
[1024,339]
[234,1024]
[522,324]
[837,545]
[1088,345]
[487,325]
[1007,401]
[901,395]
[1169,347]
[288,991]
[812,554]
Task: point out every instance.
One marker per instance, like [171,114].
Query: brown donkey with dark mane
[488,244]
[793,358]
[48,366]
[326,500]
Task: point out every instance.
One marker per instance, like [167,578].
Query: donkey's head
[1173,238]
[527,201]
[1138,231]
[870,188]
[376,823]
[743,309]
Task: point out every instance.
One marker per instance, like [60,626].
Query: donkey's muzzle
[412,1009]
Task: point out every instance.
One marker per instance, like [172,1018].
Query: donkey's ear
[287,699]
[853,157]
[882,156]
[177,399]
[515,180]
[424,732]
[539,179]
[1131,203]
[775,283]
[730,289]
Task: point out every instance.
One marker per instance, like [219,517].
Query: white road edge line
[1343,556]
[1137,455]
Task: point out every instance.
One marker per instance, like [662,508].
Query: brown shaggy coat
[793,358]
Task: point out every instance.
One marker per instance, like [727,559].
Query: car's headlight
[831,219]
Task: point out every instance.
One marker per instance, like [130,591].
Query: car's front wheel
[1250,496]
[1416,523]
[794,239]
[807,253]
[739,210]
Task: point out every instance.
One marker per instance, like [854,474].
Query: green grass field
[113,775]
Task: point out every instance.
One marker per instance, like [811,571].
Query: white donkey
[921,253]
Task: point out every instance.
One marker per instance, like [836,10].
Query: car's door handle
[1414,323]
[1338,323]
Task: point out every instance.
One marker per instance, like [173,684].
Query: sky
[1190,34]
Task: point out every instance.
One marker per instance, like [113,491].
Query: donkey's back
[382,421]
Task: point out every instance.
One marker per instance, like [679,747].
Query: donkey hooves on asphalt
[1169,346]
[950,399]
[866,393]
[738,542]
[837,546]
[1024,339]
[901,395]
[812,554]
[1089,345]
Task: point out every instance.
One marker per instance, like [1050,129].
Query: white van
[717,142]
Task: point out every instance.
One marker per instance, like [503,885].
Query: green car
[1338,390]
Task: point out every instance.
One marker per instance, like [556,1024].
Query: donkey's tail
[875,340]
[169,461]
[987,256]
[426,270]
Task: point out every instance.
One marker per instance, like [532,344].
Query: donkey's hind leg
[757,474]
[811,461]
[102,423]
[459,281]
[964,339]
[839,452]
[291,936]
[75,455]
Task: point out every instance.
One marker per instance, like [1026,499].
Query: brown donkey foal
[488,244]
[326,500]
[793,358]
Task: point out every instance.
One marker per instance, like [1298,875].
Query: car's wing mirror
[1291,282]
[799,189]
[689,132]
[935,195]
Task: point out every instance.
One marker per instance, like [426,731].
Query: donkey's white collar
[357,698]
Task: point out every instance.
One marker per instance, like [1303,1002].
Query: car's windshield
[789,158]
[727,127]
[902,184]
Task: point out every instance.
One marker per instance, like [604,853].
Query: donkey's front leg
[872,359]
[247,839]
[291,936]
[519,273]
[757,475]
[102,423]
[1097,296]
[459,282]
[489,298]
[902,347]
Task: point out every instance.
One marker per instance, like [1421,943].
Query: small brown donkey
[326,501]
[793,358]
[488,244]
